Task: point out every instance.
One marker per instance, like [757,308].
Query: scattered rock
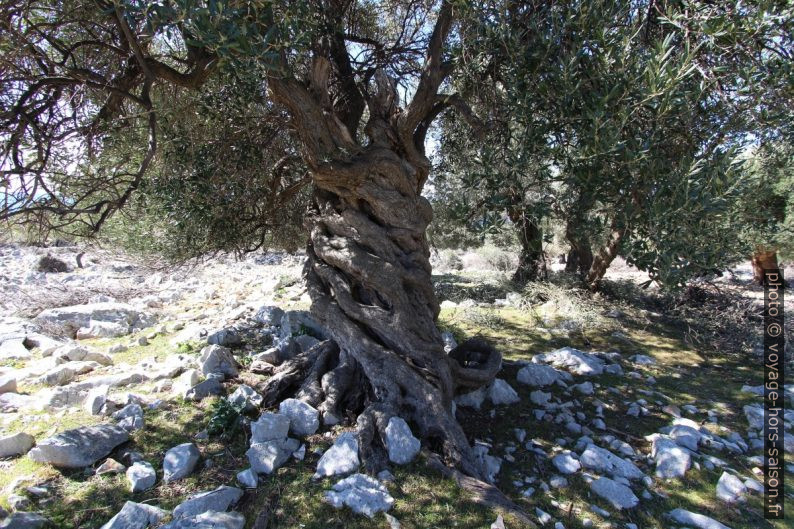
[180,461]
[269,427]
[500,392]
[341,458]
[217,359]
[63,374]
[209,520]
[71,319]
[248,478]
[617,494]
[246,398]
[304,419]
[136,516]
[473,399]
[14,350]
[269,316]
[700,521]
[539,375]
[26,520]
[8,383]
[228,337]
[603,461]
[96,398]
[79,447]
[730,489]
[400,441]
[566,464]
[141,476]
[266,457]
[16,444]
[218,500]
[110,466]
[574,360]
[643,360]
[672,461]
[211,386]
[363,494]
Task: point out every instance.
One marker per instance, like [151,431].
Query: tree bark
[580,256]
[763,259]
[531,259]
[369,278]
[605,256]
[368,271]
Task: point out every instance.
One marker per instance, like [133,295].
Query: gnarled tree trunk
[368,271]
[606,254]
[531,260]
[369,278]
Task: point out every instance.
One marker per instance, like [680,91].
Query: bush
[50,264]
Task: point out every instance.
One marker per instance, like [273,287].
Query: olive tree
[358,83]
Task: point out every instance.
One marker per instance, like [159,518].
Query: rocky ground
[129,398]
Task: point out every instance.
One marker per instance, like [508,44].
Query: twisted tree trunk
[531,260]
[369,277]
[368,271]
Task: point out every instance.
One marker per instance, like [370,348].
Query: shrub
[50,264]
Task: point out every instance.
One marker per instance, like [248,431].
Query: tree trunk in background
[531,260]
[580,256]
[763,259]
[604,257]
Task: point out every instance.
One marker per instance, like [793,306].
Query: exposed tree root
[482,492]
[335,384]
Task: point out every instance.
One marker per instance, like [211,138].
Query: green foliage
[217,184]
[614,118]
[765,212]
[226,420]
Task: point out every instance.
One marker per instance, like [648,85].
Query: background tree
[611,117]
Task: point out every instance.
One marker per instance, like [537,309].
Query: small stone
[248,478]
[269,427]
[246,398]
[400,442]
[543,517]
[16,444]
[304,419]
[219,500]
[700,521]
[341,458]
[539,397]
[558,482]
[566,464]
[136,516]
[26,520]
[95,400]
[79,447]
[209,520]
[141,476]
[211,386]
[363,494]
[110,466]
[217,359]
[730,489]
[180,461]
[266,457]
[617,494]
[500,392]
